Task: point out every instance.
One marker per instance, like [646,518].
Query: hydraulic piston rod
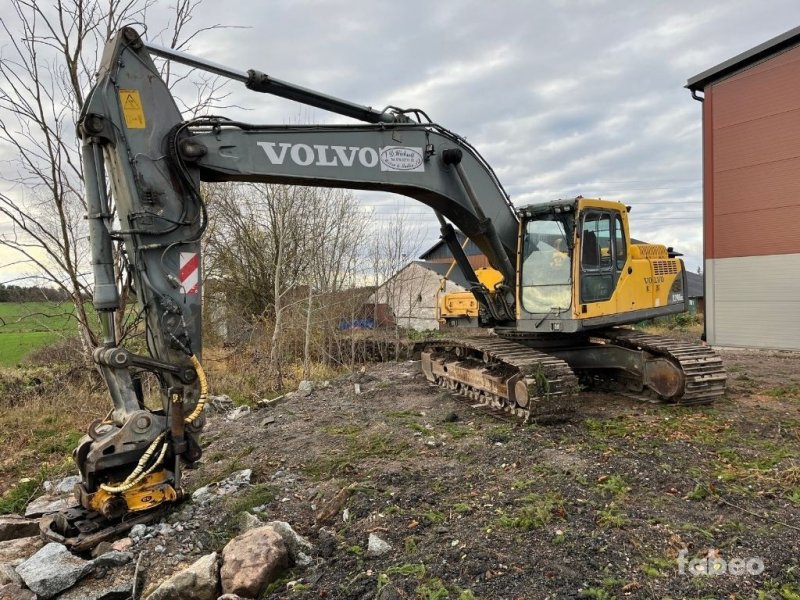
[261,82]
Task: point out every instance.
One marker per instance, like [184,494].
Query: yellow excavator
[565,276]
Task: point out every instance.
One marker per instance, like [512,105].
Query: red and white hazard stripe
[190,272]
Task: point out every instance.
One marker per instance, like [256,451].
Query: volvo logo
[390,158]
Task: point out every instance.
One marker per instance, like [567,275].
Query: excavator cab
[579,270]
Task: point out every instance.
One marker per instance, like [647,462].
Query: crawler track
[702,368]
[504,375]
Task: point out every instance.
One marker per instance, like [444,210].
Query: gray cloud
[562,96]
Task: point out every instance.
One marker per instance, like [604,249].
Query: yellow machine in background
[463,306]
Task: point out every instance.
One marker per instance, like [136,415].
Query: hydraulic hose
[139,473]
[201,378]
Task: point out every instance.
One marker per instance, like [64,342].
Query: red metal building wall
[752,160]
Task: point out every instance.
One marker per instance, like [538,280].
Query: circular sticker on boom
[401,158]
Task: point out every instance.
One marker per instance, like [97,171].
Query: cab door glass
[597,266]
[619,244]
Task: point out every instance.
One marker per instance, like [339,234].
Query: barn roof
[456,276]
[470,250]
[745,59]
[694,283]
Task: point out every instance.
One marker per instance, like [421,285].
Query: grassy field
[27,326]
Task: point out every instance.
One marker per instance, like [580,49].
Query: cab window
[546,265]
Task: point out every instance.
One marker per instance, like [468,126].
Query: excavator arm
[135,139]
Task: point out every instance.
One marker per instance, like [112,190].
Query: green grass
[28,326]
[534,511]
[16,499]
[257,495]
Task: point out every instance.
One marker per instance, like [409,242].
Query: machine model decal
[391,158]
[131,104]
[189,274]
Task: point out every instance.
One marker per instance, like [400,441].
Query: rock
[9,575]
[117,591]
[248,521]
[122,545]
[101,549]
[52,569]
[376,546]
[138,531]
[219,404]
[238,413]
[13,527]
[67,485]
[12,591]
[115,583]
[45,505]
[305,388]
[231,597]
[230,484]
[15,551]
[113,559]
[390,592]
[201,494]
[327,542]
[298,547]
[199,581]
[451,418]
[267,421]
[253,560]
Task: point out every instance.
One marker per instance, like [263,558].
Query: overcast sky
[561,97]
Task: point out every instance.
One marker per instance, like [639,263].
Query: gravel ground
[475,505]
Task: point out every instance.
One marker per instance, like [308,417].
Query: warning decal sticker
[131,104]
[189,274]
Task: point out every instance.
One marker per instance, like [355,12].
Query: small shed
[695,292]
[751,195]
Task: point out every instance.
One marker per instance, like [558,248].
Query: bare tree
[393,246]
[45,69]
[339,227]
[283,255]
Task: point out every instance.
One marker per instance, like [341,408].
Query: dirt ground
[475,505]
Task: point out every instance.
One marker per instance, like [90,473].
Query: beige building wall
[412,294]
[754,301]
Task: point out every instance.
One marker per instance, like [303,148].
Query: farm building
[413,291]
[751,197]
